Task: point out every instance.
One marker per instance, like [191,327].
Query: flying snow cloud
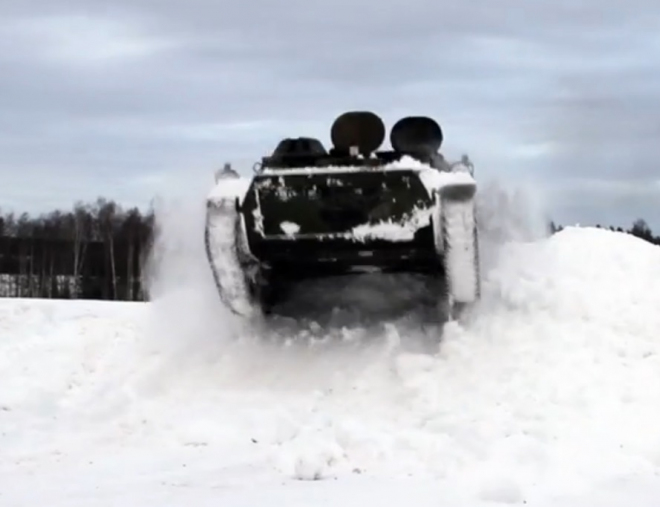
[118,99]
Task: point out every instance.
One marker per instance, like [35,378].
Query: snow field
[550,395]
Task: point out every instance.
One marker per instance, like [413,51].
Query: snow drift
[550,395]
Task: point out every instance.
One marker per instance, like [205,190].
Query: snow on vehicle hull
[318,215]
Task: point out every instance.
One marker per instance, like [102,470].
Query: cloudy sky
[129,98]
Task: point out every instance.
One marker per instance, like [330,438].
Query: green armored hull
[309,213]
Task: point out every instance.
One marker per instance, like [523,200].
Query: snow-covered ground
[550,396]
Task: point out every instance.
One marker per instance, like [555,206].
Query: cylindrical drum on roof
[362,129]
[419,134]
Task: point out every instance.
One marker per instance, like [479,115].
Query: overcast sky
[122,98]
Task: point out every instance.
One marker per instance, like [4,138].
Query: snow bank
[550,396]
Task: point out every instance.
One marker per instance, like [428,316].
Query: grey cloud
[112,95]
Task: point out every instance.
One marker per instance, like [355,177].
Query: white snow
[221,246]
[289,228]
[229,189]
[550,396]
[388,230]
[460,249]
[432,178]
[391,230]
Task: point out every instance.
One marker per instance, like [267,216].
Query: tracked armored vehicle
[310,212]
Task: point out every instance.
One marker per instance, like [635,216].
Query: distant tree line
[98,251]
[94,251]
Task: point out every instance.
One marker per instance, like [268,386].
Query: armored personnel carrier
[309,211]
